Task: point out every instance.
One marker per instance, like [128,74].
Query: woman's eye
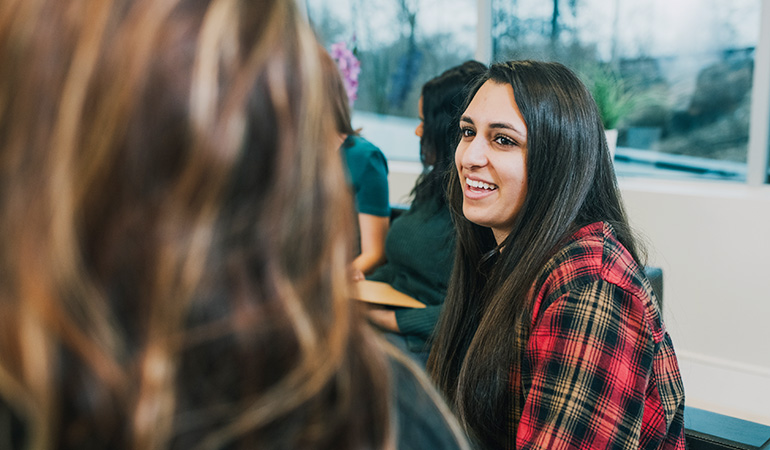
[505,141]
[467,132]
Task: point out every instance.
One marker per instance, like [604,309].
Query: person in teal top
[367,175]
[419,250]
[420,245]
[368,171]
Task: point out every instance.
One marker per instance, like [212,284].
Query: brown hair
[338,94]
[173,258]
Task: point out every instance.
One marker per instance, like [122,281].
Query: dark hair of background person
[174,244]
[442,101]
[570,183]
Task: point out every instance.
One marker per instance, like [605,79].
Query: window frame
[759,121]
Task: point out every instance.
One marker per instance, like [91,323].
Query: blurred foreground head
[173,254]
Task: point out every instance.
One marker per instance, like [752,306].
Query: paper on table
[384,294]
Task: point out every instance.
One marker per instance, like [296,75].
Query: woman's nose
[474,153]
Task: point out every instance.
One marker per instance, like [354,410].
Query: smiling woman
[551,336]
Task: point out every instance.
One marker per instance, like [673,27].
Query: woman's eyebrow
[496,125]
[506,126]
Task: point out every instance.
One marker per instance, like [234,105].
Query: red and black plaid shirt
[598,368]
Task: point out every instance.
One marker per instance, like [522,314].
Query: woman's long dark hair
[570,183]
[442,102]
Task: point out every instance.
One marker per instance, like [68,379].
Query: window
[401,44]
[686,67]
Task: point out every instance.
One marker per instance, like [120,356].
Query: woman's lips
[478,189]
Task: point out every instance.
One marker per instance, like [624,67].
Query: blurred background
[686,84]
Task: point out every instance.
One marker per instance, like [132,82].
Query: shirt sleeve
[590,355]
[372,196]
[418,321]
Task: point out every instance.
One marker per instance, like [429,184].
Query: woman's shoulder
[432,211]
[359,147]
[424,231]
[423,419]
[592,251]
[364,159]
[593,254]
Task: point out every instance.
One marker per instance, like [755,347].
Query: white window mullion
[484,31]
[759,125]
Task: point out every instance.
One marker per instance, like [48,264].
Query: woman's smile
[478,189]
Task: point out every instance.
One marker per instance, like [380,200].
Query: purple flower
[349,67]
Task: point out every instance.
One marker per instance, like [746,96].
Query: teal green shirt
[368,176]
[420,251]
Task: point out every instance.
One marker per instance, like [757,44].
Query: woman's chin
[476,216]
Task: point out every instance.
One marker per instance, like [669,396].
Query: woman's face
[491,159]
[418,130]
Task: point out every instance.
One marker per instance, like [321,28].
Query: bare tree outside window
[401,44]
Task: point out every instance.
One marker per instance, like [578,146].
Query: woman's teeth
[480,184]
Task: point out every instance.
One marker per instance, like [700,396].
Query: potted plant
[613,99]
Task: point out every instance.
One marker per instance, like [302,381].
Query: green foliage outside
[614,100]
